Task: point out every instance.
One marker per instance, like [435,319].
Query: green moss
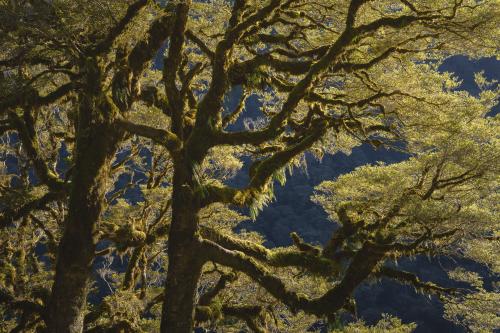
[212,312]
[314,264]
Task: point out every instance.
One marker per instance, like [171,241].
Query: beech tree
[101,99]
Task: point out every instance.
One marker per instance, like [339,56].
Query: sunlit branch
[362,265]
[211,103]
[262,171]
[413,280]
[195,39]
[171,65]
[30,98]
[132,11]
[26,129]
[308,260]
[162,137]
[12,214]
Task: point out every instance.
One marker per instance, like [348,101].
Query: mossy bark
[185,261]
[97,141]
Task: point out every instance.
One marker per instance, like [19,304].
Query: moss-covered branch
[300,90]
[26,129]
[307,260]
[413,280]
[162,137]
[171,65]
[30,97]
[146,49]
[223,281]
[211,103]
[362,265]
[233,116]
[132,11]
[261,172]
[12,214]
[250,314]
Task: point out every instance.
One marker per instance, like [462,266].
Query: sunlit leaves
[387,324]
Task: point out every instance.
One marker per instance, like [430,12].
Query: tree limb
[171,66]
[162,137]
[132,11]
[12,214]
[413,280]
[26,130]
[362,265]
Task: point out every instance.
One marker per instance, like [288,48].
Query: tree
[83,111]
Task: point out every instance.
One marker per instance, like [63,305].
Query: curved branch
[26,129]
[31,99]
[12,214]
[250,314]
[224,280]
[195,39]
[262,171]
[362,265]
[132,11]
[146,49]
[307,260]
[413,280]
[162,137]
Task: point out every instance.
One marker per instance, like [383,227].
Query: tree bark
[185,261]
[97,141]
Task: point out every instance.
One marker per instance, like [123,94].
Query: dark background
[293,211]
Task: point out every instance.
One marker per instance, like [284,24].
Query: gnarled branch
[162,137]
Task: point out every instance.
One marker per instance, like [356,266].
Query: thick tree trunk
[97,141]
[185,262]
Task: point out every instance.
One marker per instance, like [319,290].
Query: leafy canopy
[328,75]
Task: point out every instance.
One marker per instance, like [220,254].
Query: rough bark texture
[185,263]
[326,87]
[77,245]
[97,141]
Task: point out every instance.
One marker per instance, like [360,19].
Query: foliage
[387,324]
[124,123]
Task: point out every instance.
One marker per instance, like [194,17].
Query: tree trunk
[97,141]
[185,262]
